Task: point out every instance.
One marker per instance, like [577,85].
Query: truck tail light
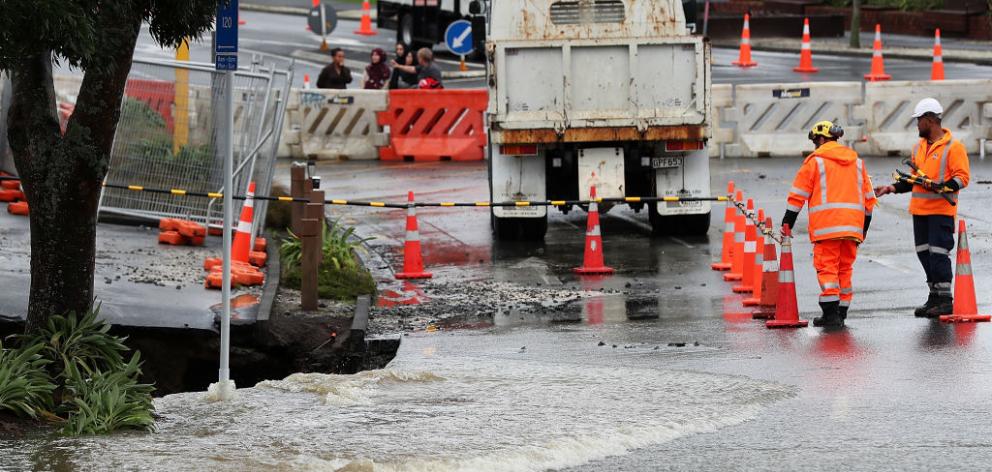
[683,145]
[518,149]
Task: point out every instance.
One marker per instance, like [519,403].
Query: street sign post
[458,39]
[226,52]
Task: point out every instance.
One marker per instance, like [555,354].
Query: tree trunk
[856,24]
[62,175]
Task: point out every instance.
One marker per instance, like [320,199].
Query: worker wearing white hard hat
[940,165]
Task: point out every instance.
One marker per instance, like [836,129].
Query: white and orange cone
[750,250]
[786,306]
[593,262]
[965,304]
[365,28]
[729,215]
[769,277]
[413,261]
[306,81]
[877,61]
[744,57]
[806,53]
[937,71]
[737,258]
[759,264]
[241,247]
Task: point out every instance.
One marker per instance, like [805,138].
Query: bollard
[312,240]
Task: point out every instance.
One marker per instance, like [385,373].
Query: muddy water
[518,401]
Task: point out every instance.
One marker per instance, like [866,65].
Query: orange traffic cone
[242,236]
[759,263]
[786,306]
[728,232]
[769,277]
[744,58]
[937,71]
[737,268]
[592,259]
[806,54]
[750,250]
[366,27]
[877,62]
[413,262]
[965,305]
[306,81]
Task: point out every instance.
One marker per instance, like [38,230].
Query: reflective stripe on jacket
[836,185]
[942,161]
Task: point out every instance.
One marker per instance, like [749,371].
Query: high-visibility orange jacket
[835,183]
[941,161]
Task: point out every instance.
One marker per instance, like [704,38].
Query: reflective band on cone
[726,261]
[769,277]
[759,265]
[413,262]
[786,306]
[965,303]
[592,260]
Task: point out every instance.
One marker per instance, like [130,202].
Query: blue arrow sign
[458,38]
[226,48]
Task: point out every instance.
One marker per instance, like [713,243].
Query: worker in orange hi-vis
[940,170]
[834,182]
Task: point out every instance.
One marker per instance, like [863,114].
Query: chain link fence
[170,136]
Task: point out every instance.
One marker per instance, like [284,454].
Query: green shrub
[83,342]
[25,387]
[107,401]
[340,276]
[908,5]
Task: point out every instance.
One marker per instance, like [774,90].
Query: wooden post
[313,243]
[300,187]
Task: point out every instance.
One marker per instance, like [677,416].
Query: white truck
[422,23]
[611,93]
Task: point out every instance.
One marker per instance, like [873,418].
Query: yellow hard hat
[827,129]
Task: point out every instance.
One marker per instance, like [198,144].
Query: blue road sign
[458,38]
[226,48]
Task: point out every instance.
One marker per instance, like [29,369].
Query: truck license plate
[666,162]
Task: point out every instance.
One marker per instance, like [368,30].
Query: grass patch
[73,372]
[340,276]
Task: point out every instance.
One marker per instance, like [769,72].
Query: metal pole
[706,18]
[981,145]
[225,321]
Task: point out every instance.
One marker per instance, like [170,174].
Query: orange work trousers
[834,263]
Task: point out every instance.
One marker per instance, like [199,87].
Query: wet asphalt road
[891,392]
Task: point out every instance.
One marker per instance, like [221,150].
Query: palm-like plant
[25,387]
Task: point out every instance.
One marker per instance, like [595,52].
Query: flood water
[518,401]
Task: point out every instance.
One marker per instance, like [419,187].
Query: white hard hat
[927,105]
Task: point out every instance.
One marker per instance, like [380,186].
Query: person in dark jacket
[428,75]
[335,75]
[400,79]
[377,72]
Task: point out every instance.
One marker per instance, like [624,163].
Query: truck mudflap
[683,175]
[518,178]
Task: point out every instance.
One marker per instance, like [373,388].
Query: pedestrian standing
[335,75]
[401,79]
[943,166]
[428,75]
[377,72]
[834,182]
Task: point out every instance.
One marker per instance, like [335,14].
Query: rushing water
[447,403]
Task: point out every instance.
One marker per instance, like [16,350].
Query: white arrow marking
[457,43]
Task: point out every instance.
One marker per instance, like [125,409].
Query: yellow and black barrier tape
[378,204]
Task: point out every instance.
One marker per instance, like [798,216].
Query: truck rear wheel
[519,229]
[678,225]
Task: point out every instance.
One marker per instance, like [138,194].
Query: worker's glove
[933,186]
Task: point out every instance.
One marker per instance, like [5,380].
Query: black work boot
[842,312]
[831,316]
[921,311]
[943,305]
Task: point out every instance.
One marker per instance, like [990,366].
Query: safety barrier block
[435,125]
[338,124]
[724,118]
[888,110]
[18,208]
[10,185]
[11,195]
[171,238]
